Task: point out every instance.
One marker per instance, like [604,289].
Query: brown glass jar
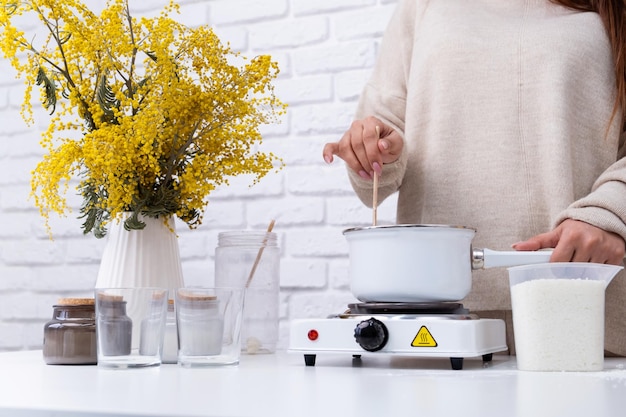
[70,337]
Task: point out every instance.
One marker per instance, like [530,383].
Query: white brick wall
[325,49]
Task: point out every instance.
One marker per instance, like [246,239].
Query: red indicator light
[313,335]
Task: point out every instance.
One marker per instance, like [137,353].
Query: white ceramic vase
[141,258]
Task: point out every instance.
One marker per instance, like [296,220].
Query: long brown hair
[612,14]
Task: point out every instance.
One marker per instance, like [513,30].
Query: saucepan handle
[487,258]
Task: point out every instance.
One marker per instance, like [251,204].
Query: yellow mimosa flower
[164,113]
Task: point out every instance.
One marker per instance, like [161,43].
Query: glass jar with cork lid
[70,337]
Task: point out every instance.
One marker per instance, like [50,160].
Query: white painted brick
[241,11]
[194,246]
[301,90]
[15,224]
[349,84]
[16,171]
[193,14]
[198,273]
[301,7]
[61,227]
[4,104]
[32,335]
[16,95]
[233,36]
[15,197]
[328,180]
[283,313]
[349,210]
[303,274]
[81,250]
[278,130]
[318,304]
[303,150]
[291,34]
[29,252]
[335,57]
[212,239]
[322,118]
[7,76]
[283,59]
[315,242]
[11,336]
[17,278]
[18,140]
[224,213]
[19,306]
[139,6]
[243,187]
[283,332]
[66,278]
[362,23]
[338,274]
[303,211]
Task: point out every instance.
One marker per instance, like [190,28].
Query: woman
[505,116]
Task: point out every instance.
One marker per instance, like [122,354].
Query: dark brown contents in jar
[70,337]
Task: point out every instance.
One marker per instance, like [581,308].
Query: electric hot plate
[402,329]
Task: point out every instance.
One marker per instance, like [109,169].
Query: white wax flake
[253,345]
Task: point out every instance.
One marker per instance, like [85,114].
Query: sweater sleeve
[605,206]
[384,96]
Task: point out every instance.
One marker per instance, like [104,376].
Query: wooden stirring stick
[375,190]
[258,256]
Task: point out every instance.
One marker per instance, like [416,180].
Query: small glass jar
[70,337]
[115,326]
[170,340]
[251,260]
[200,325]
[152,328]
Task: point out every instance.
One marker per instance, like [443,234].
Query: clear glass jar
[200,325]
[70,337]
[151,334]
[251,260]
[116,325]
[170,341]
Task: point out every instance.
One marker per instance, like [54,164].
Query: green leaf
[49,89]
[133,222]
[95,217]
[106,99]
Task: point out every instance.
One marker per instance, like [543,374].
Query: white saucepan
[421,263]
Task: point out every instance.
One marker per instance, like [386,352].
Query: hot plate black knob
[371,334]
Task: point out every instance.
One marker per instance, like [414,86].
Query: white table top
[280,385]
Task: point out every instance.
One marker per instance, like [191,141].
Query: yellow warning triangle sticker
[423,338]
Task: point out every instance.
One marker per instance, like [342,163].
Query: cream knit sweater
[504,106]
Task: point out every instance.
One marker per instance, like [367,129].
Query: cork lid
[75,301]
[110,297]
[190,296]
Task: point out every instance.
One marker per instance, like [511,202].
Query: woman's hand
[366,146]
[576,241]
